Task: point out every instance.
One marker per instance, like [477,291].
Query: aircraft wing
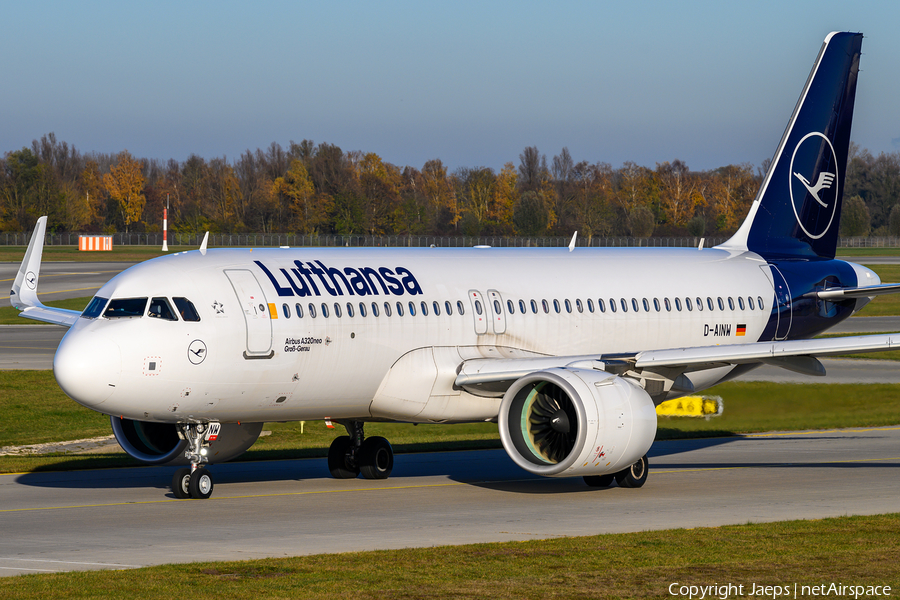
[794,355]
[23,294]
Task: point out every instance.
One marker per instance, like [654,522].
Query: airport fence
[256,240]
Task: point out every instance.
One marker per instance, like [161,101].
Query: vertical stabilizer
[798,208]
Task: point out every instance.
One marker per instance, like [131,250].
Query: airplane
[568,350]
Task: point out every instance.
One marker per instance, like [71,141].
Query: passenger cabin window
[437,308]
[760,302]
[284,309]
[324,311]
[448,307]
[460,308]
[96,306]
[678,304]
[511,307]
[534,307]
[362,309]
[750,302]
[730,303]
[741,302]
[299,310]
[387,309]
[689,304]
[590,305]
[623,304]
[522,306]
[399,308]
[125,307]
[424,309]
[374,309]
[668,304]
[337,310]
[312,310]
[349,309]
[189,313]
[602,305]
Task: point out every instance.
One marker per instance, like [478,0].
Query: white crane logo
[823,183]
[816,220]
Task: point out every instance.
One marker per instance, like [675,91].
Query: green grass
[868,252]
[10,316]
[849,550]
[36,411]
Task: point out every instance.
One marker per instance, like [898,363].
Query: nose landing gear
[195,482]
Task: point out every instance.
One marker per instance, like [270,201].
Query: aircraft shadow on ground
[491,469]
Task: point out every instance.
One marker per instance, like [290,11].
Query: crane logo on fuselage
[313,278]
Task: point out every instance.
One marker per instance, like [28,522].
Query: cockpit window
[160,309]
[186,309]
[95,308]
[125,307]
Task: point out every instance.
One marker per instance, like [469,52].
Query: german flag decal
[741,329]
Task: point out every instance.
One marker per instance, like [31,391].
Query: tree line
[313,188]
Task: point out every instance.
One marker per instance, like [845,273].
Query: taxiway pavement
[121,518]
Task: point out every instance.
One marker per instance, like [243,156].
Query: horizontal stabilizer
[858,292]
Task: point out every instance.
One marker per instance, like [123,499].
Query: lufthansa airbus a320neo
[568,350]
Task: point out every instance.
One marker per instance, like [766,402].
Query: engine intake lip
[519,445]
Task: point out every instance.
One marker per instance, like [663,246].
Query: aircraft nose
[87,367]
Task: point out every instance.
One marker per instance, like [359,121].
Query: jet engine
[568,422]
[159,444]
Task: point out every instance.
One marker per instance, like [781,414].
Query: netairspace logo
[795,590]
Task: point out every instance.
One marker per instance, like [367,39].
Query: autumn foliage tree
[125,184]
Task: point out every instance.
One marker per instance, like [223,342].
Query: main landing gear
[195,482]
[633,477]
[350,455]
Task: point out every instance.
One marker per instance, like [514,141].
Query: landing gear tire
[634,476]
[376,458]
[201,484]
[600,481]
[338,459]
[181,482]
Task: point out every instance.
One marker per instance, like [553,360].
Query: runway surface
[61,280]
[122,518]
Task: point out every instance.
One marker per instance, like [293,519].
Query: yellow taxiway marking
[659,471]
[45,275]
[222,498]
[60,292]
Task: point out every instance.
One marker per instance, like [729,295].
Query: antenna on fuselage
[203,244]
[572,243]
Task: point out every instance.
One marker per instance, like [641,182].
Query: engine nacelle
[159,444]
[568,422]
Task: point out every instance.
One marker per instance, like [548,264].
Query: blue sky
[471,83]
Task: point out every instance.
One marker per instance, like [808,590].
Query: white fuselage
[251,357]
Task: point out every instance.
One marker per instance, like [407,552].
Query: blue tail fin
[798,208]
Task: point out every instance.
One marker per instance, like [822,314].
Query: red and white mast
[165,246]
